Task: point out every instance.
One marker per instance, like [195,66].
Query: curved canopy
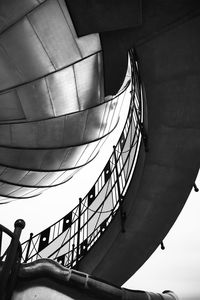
[53,111]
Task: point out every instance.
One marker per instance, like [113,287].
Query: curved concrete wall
[168,51]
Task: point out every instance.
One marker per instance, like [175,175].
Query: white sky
[177,268]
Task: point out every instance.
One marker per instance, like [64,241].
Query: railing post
[138,85]
[162,245]
[142,129]
[195,187]
[28,247]
[144,136]
[122,213]
[8,274]
[1,236]
[72,259]
[78,232]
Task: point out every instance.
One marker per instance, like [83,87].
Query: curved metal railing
[70,238]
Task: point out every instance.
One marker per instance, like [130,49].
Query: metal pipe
[166,295]
[82,284]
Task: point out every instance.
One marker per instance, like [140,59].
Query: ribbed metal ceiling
[53,112]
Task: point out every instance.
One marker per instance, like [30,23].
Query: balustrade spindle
[122,213]
[28,247]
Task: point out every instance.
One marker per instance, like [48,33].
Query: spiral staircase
[153,167]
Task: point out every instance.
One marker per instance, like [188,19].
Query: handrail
[75,234]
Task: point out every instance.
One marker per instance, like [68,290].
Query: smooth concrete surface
[115,15]
[169,63]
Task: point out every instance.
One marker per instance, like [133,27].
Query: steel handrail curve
[62,219]
[76,208]
[88,243]
[75,220]
[101,204]
[73,213]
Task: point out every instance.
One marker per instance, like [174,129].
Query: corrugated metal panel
[50,83]
[89,78]
[89,44]
[16,191]
[25,51]
[9,75]
[11,11]
[33,178]
[9,174]
[48,160]
[54,33]
[35,159]
[63,91]
[4,134]
[35,100]
[10,107]
[73,129]
[74,88]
